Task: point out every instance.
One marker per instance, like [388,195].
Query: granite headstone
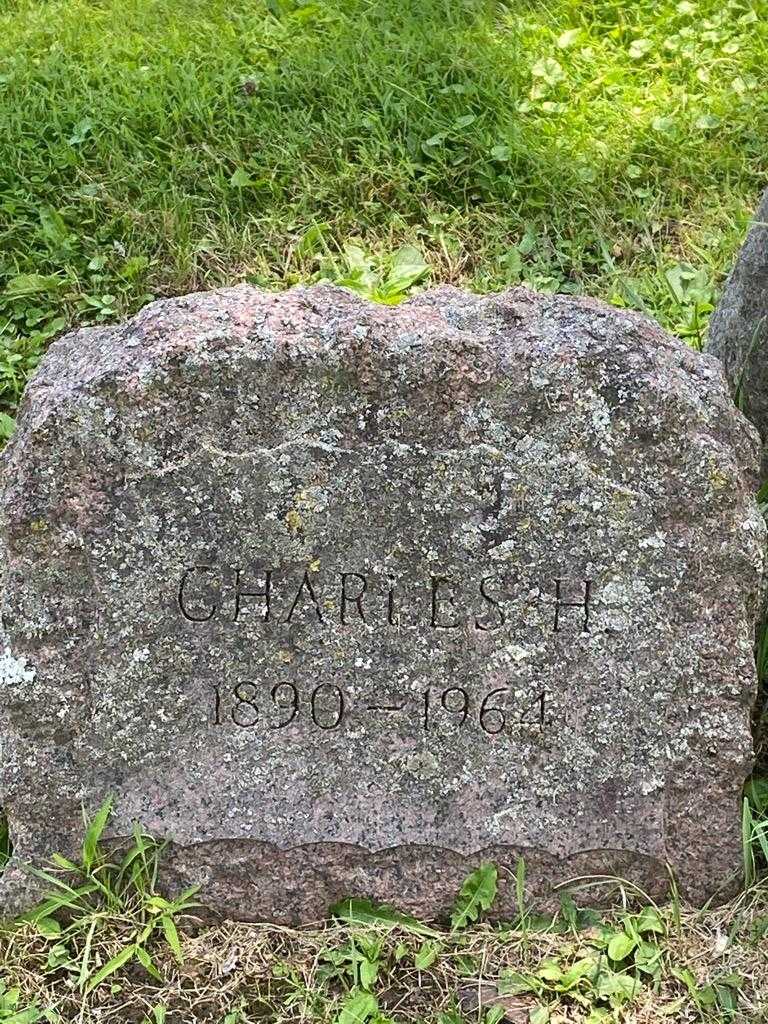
[343,599]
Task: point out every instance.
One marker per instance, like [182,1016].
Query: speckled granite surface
[342,599]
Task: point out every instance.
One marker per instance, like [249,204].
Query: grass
[755,828]
[105,946]
[151,147]
[99,895]
[242,974]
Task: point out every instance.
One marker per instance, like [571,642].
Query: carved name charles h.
[207,592]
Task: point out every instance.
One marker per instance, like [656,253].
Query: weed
[11,1010]
[476,895]
[633,967]
[99,895]
[613,965]
[718,1000]
[389,284]
[363,912]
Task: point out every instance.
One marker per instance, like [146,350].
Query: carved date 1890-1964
[249,706]
[207,593]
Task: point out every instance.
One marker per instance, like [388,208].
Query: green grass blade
[111,967]
[93,835]
[365,912]
[747,851]
[85,958]
[172,937]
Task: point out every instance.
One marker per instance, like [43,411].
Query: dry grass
[240,973]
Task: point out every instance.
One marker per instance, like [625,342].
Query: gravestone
[344,599]
[738,329]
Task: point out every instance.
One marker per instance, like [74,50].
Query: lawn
[153,147]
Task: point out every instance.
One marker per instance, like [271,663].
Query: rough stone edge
[157,329]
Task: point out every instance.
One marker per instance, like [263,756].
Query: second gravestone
[343,599]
